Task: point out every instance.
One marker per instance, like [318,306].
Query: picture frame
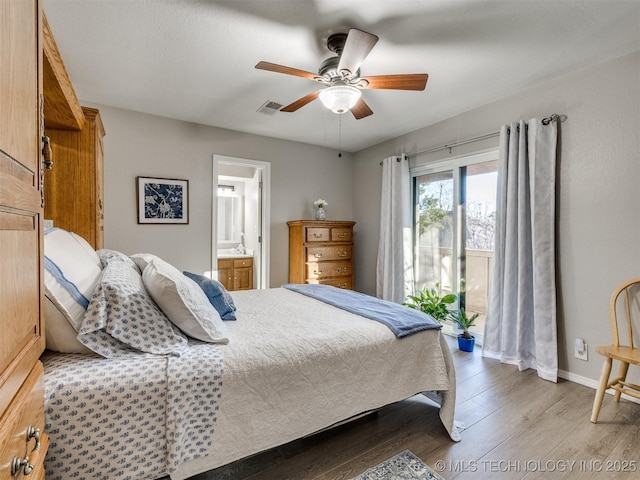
[162,200]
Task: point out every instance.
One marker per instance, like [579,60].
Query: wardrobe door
[21,241]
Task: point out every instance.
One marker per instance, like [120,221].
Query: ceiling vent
[269,107]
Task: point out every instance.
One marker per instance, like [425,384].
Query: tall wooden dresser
[23,443]
[321,252]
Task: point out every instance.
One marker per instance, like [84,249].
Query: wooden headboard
[73,188]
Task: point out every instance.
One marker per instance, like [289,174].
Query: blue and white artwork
[162,200]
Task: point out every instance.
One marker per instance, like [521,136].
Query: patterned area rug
[404,466]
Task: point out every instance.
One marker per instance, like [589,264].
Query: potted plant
[429,301]
[466,341]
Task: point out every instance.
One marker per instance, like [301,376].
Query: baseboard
[589,382]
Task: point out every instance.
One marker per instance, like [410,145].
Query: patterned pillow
[218,296]
[183,302]
[122,316]
[107,256]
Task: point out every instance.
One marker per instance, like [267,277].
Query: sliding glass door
[454,218]
[434,231]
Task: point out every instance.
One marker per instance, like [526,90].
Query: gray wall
[147,145]
[598,191]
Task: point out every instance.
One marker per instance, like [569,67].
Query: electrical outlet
[580,349]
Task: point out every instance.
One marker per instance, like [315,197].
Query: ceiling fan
[341,76]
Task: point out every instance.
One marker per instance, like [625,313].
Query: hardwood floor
[517,427]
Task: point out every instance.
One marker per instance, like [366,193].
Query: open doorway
[240,222]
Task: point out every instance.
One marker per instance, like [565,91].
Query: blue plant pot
[466,344]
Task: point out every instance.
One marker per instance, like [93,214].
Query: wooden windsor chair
[624,310]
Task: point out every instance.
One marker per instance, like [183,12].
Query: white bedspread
[293,366]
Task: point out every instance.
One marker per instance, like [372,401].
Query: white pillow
[72,269]
[183,302]
[143,259]
[60,335]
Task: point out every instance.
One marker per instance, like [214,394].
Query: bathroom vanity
[235,272]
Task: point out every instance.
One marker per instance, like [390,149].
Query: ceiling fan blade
[272,67]
[356,48]
[361,110]
[413,81]
[301,102]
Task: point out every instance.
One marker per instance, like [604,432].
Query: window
[454,220]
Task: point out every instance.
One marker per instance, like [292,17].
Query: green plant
[461,319]
[429,301]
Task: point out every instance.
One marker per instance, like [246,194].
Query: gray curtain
[395,263]
[521,316]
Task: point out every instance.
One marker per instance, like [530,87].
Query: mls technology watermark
[544,466]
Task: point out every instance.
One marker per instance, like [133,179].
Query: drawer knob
[25,464]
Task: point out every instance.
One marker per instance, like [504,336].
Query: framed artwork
[162,200]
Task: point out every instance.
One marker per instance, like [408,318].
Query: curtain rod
[545,121]
[457,144]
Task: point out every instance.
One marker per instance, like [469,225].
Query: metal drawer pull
[318,272]
[342,235]
[317,235]
[33,432]
[317,255]
[342,254]
[25,464]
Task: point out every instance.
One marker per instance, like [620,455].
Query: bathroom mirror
[229,218]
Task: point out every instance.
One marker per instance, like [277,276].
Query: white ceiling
[194,60]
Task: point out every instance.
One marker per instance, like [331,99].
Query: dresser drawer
[329,269]
[337,252]
[337,282]
[225,263]
[318,234]
[341,234]
[25,414]
[243,262]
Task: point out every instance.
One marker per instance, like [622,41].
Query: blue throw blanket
[401,320]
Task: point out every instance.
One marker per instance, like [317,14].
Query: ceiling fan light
[340,98]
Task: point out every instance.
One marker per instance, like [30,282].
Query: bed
[289,365]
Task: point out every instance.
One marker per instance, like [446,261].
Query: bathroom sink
[233,253]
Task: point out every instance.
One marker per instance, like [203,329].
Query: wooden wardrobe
[74,186]
[33,83]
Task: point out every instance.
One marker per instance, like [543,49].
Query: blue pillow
[217,295]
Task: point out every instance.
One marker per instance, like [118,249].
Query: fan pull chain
[339,136]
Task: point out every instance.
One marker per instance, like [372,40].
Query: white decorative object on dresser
[321,252]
